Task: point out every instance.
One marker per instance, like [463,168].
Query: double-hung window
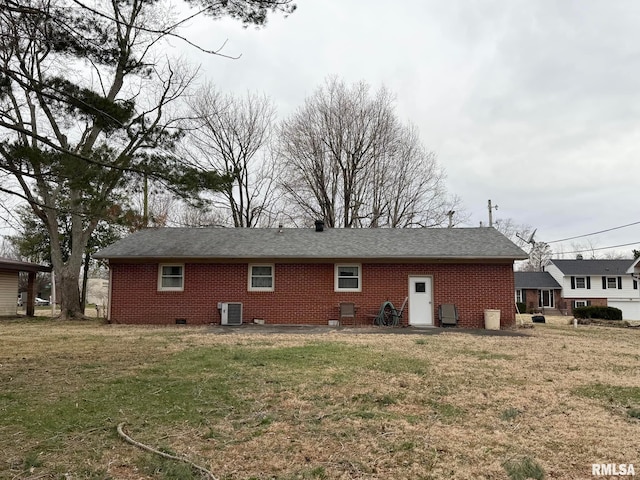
[171,278]
[348,277]
[581,282]
[261,278]
[611,282]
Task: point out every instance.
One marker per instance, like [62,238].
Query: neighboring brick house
[539,291]
[300,276]
[597,282]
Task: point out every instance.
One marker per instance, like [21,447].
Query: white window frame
[576,302]
[519,296]
[584,284]
[250,276]
[337,277]
[615,283]
[162,288]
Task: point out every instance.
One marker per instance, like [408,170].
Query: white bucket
[492,319]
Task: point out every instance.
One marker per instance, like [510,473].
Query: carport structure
[9,275]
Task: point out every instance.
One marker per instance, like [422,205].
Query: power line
[595,233]
[601,248]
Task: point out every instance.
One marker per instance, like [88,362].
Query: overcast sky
[534,105]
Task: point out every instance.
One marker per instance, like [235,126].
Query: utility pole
[145,201]
[491,213]
[450,215]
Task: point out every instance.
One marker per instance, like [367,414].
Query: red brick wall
[594,302]
[304,293]
[532,300]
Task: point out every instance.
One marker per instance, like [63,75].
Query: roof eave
[318,258]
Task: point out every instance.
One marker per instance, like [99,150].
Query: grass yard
[335,405]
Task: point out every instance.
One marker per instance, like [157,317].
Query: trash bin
[492,319]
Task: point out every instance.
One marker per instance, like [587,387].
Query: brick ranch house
[539,291]
[300,276]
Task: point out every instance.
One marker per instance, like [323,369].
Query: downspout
[109,295]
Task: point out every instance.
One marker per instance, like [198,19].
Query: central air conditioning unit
[231,313]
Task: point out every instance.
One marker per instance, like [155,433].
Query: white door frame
[550,296]
[426,318]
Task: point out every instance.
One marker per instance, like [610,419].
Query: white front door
[420,301]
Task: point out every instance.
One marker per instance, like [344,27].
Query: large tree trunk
[70,294]
[68,271]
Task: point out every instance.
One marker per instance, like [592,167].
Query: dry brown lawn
[248,405]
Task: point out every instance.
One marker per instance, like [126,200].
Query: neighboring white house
[9,271]
[598,282]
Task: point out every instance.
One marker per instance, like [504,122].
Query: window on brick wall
[171,277]
[519,296]
[348,278]
[261,278]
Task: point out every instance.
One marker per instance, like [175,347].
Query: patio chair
[347,311]
[448,314]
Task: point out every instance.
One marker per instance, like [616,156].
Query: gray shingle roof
[381,243]
[535,280]
[593,267]
[18,266]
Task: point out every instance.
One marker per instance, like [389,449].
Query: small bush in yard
[634,412]
[521,307]
[603,313]
[523,469]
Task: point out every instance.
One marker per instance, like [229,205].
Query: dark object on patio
[538,319]
[347,311]
[389,315]
[448,314]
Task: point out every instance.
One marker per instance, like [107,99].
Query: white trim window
[348,277]
[171,277]
[261,278]
[581,282]
[580,303]
[519,296]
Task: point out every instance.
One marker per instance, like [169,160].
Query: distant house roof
[634,267]
[593,267]
[332,243]
[8,264]
[535,281]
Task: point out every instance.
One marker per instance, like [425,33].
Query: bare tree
[404,187]
[86,98]
[518,233]
[539,256]
[523,235]
[8,249]
[190,216]
[347,159]
[232,135]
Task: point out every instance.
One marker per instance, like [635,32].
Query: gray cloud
[532,104]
